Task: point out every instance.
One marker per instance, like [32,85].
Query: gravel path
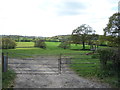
[29,75]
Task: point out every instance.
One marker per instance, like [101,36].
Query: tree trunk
[83,45]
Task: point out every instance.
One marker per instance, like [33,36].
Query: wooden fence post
[2,62]
[7,61]
[59,64]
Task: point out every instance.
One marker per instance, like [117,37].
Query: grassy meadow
[52,49]
[91,70]
[25,44]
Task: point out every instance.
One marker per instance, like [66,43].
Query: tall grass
[0,76]
[7,78]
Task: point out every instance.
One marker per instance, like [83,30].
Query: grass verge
[8,79]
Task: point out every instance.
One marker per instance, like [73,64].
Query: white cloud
[53,17]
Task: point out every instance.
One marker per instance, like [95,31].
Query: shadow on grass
[81,49]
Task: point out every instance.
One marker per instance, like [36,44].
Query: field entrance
[52,71]
[57,64]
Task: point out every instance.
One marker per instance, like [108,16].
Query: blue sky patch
[70,8]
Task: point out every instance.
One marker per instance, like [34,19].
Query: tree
[81,34]
[65,42]
[64,45]
[93,41]
[8,43]
[112,30]
[40,43]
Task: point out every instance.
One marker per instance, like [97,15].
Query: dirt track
[36,80]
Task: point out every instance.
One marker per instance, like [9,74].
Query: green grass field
[52,49]
[25,44]
[85,70]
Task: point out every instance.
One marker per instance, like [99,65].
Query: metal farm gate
[79,63]
[49,64]
[82,64]
[42,64]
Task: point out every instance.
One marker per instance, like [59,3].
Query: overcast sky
[53,17]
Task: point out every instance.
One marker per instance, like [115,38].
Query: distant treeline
[19,38]
[58,38]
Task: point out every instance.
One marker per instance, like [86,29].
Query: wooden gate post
[59,64]
[2,62]
[7,61]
